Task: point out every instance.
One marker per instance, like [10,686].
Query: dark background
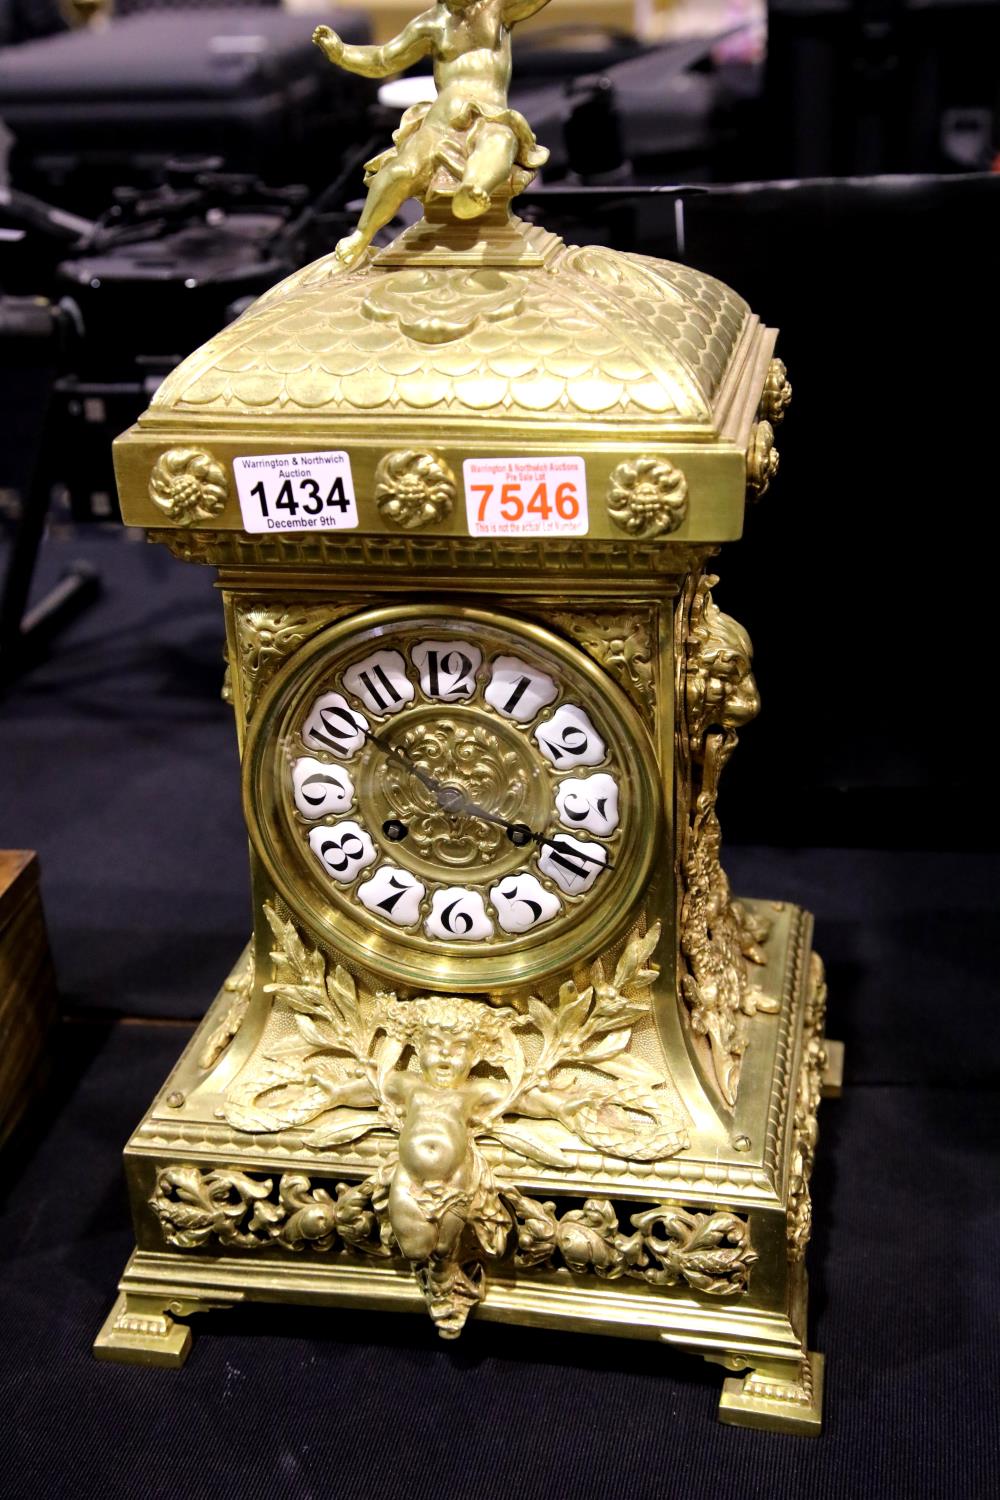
[865,792]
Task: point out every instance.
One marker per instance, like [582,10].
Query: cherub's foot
[350,249]
[469,202]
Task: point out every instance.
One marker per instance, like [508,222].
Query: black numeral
[436,665]
[579,817]
[314,504]
[520,687]
[350,847]
[450,912]
[578,867]
[400,888]
[387,684]
[286,499]
[323,784]
[336,497]
[337,726]
[535,907]
[574,741]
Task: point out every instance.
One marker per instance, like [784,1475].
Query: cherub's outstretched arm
[520,10]
[412,43]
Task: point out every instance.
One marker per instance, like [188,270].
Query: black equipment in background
[94,316]
[648,114]
[857,87]
[37,338]
[90,110]
[155,277]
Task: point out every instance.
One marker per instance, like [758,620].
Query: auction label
[296,492]
[526,496]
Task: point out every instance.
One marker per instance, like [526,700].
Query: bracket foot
[783,1396]
[832,1081]
[140,1330]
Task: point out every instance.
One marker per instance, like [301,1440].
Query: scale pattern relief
[593,334]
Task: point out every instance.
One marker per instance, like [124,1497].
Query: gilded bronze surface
[479,752]
[467,142]
[603,1118]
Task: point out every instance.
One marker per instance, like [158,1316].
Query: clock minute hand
[394,752]
[453,801]
[553,843]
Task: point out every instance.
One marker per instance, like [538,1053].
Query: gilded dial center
[469,760]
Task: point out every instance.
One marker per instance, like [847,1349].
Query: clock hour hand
[554,843]
[452,799]
[393,752]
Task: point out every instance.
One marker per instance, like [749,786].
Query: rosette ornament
[413,488]
[762,459]
[647,497]
[188,485]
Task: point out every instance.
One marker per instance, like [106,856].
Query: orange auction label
[526,496]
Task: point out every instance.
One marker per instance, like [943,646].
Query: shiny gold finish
[777,393]
[265,636]
[718,938]
[188,485]
[500,761]
[622,645]
[804,1123]
[413,488]
[647,497]
[832,1083]
[670,1246]
[709,1252]
[762,460]
[467,143]
[604,1122]
[777,1398]
[344,1076]
[239,984]
[142,1330]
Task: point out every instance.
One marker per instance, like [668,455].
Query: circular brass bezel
[412,958]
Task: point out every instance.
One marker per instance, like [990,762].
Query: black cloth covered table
[117,762]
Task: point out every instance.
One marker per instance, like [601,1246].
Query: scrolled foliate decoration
[413,488]
[452,751]
[647,497]
[805,1127]
[710,1252]
[266,635]
[358,1062]
[762,459]
[719,937]
[188,485]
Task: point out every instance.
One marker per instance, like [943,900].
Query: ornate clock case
[594,1106]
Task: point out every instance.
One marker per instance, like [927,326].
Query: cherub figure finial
[468,129]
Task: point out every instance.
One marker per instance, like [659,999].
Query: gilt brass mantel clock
[503,1043]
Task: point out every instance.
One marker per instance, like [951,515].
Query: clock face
[452,797]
